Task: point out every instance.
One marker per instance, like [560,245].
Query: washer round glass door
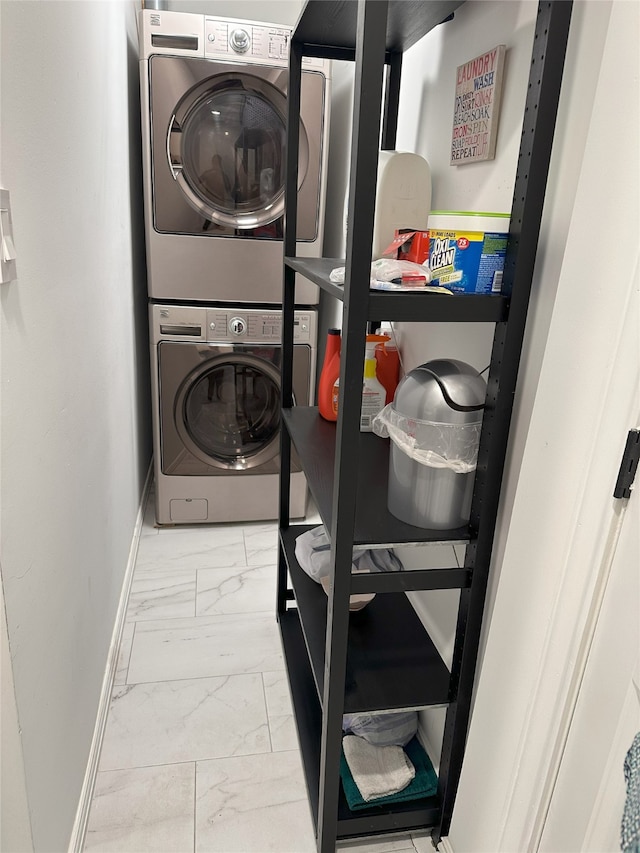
[227,412]
[226,146]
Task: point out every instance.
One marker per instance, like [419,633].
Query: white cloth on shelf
[378,771]
[313,552]
[392,728]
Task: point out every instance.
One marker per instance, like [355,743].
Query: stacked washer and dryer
[213,94]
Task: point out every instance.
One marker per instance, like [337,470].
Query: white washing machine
[213,94]
[216,413]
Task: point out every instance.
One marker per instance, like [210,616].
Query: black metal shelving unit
[382,658]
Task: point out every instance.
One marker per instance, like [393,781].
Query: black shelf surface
[314,440]
[401,816]
[392,662]
[332,23]
[403,306]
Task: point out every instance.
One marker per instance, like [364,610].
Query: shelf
[333,24]
[391,661]
[381,658]
[401,306]
[314,440]
[402,816]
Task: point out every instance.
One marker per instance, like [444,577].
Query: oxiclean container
[467,250]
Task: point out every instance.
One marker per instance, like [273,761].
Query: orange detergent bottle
[329,375]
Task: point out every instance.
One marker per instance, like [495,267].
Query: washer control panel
[245,39]
[256,326]
[245,42]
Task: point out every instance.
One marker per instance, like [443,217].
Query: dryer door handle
[175,165]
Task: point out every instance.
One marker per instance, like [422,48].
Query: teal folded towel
[425,783]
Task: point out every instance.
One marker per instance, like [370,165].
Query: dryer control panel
[229,324]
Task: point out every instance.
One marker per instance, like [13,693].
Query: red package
[415,248]
[413,278]
[409,246]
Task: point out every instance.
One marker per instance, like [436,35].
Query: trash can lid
[443,391]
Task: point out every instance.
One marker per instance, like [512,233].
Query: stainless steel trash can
[437,411]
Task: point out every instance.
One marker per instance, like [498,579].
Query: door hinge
[628,466]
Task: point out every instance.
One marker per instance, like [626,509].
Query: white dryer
[213,94]
[216,415]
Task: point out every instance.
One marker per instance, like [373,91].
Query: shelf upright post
[371,30]
[391,101]
[389,118]
[545,78]
[288,299]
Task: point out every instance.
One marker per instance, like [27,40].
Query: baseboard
[444,846]
[76,843]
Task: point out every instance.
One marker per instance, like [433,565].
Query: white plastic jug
[403,197]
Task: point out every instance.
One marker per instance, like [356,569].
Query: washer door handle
[174,166]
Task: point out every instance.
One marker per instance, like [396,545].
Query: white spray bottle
[374,394]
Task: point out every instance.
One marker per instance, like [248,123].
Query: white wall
[75,391]
[425,118]
[15,826]
[426,115]
[585,396]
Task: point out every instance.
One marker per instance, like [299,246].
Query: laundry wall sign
[477,108]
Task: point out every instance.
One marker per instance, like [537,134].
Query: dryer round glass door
[226,148]
[227,413]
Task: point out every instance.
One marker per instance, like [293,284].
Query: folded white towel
[378,771]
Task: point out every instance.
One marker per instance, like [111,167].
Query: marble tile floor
[200,753]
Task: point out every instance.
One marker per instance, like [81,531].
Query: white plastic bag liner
[313,552]
[437,445]
[385,269]
[392,728]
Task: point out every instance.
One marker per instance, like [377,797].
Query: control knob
[237,325]
[239,40]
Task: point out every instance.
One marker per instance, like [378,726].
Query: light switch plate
[7,247]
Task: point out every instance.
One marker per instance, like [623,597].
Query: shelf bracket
[628,466]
